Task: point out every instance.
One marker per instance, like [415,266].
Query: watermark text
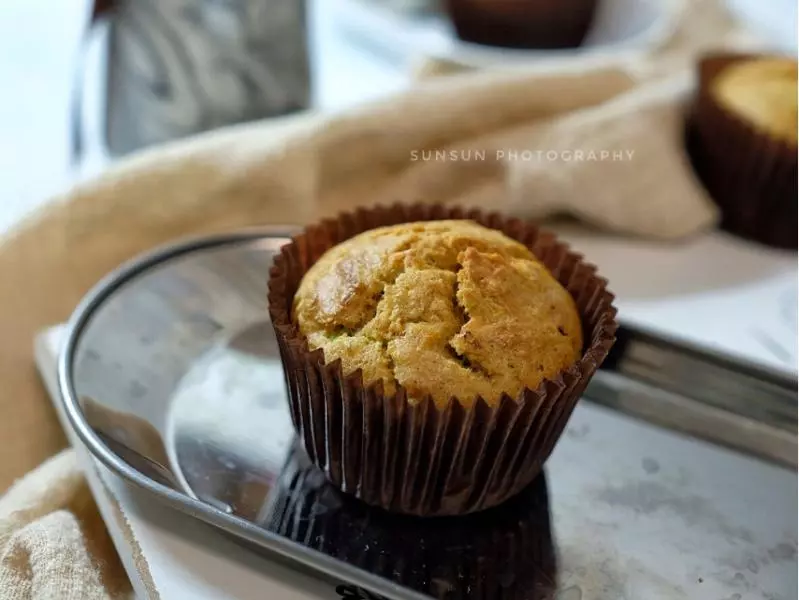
[522,155]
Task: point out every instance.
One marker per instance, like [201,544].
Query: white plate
[620,25]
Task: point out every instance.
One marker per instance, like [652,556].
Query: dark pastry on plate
[531,24]
[433,358]
[742,137]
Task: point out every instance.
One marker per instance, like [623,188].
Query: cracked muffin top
[446,308]
[762,91]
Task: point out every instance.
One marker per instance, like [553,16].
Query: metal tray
[170,376]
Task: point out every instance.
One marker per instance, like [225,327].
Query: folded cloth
[617,164]
[297,169]
[53,542]
[623,167]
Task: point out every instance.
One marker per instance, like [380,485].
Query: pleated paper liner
[416,458]
[751,175]
[506,553]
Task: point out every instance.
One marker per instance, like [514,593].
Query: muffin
[541,24]
[442,308]
[761,92]
[742,137]
[433,358]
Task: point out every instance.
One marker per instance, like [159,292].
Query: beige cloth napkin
[294,170]
[53,543]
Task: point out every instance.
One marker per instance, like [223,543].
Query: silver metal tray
[170,376]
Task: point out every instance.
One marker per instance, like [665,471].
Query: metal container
[408,7]
[170,376]
[180,67]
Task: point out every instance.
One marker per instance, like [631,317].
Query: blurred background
[53,62]
[329,54]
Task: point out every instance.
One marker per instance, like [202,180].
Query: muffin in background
[742,138]
[412,444]
[531,24]
[761,92]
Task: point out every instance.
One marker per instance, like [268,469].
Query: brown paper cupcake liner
[751,175]
[416,458]
[507,552]
[532,24]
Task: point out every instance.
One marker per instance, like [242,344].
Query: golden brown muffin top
[763,92]
[448,308]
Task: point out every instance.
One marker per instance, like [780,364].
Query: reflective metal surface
[744,406]
[170,376]
[712,379]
